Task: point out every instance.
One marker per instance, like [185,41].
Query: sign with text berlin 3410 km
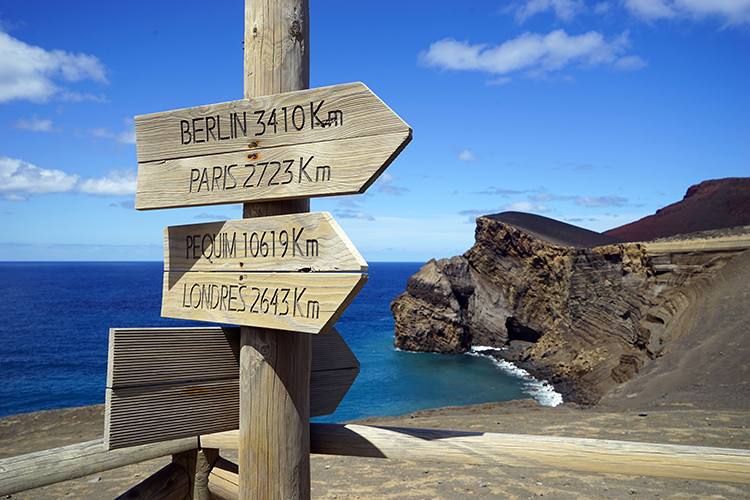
[319,142]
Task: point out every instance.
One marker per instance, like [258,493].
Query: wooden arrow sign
[301,302]
[297,242]
[170,383]
[252,291]
[319,142]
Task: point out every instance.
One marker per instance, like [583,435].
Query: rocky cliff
[569,305]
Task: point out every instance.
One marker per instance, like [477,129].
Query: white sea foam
[541,390]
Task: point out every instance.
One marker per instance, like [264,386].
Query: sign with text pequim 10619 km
[265,276]
[319,142]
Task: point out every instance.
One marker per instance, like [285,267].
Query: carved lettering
[205,129]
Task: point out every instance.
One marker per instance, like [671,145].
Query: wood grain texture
[295,242]
[274,445]
[359,112]
[171,482]
[157,356]
[151,414]
[268,209]
[345,166]
[277,47]
[701,463]
[167,383]
[274,451]
[223,482]
[69,462]
[302,302]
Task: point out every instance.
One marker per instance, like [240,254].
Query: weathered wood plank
[223,482]
[296,242]
[347,166]
[172,482]
[138,415]
[587,455]
[328,388]
[323,114]
[41,468]
[176,382]
[152,356]
[302,302]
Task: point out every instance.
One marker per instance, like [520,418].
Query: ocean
[55,319]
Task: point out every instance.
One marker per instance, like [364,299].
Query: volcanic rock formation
[581,309]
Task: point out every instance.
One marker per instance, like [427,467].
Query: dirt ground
[333,477]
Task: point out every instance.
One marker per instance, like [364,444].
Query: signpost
[281,273]
[320,142]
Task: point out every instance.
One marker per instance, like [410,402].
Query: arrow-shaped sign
[252,291]
[169,383]
[301,302]
[297,242]
[319,142]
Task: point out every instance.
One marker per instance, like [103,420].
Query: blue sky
[595,113]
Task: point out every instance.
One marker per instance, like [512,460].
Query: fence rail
[579,454]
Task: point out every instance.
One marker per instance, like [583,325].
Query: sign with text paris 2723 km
[319,142]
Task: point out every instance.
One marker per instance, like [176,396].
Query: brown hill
[713,204]
[553,231]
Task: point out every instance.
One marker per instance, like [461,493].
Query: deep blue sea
[55,320]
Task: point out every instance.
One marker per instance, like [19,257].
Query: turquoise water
[55,320]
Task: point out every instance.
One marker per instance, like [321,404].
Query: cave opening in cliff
[517,331]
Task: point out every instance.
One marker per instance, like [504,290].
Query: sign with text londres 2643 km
[264,276]
[319,142]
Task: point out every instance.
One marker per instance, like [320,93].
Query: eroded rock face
[589,318]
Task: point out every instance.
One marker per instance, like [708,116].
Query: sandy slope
[347,477]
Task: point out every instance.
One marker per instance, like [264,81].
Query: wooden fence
[178,480]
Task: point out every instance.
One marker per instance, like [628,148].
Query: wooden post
[274,444]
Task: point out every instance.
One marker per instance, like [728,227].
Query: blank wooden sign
[170,383]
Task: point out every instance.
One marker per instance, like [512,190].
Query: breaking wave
[541,390]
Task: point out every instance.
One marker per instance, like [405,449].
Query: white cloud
[602,8]
[29,73]
[492,190]
[384,185]
[466,155]
[601,201]
[630,63]
[35,124]
[353,214]
[117,183]
[564,9]
[731,12]
[500,81]
[386,178]
[535,53]
[548,197]
[18,176]
[209,216]
[525,206]
[394,190]
[650,9]
[125,137]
